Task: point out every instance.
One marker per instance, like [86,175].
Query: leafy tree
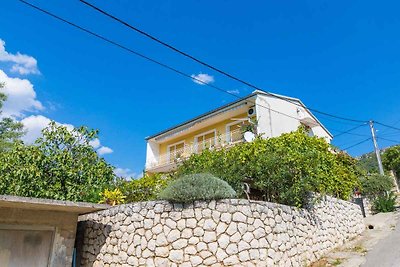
[10,130]
[284,169]
[60,165]
[391,159]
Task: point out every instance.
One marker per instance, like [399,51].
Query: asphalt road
[386,253]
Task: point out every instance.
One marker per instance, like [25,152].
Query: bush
[193,187]
[376,185]
[283,169]
[145,188]
[385,203]
[112,197]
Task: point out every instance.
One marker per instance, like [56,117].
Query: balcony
[166,162]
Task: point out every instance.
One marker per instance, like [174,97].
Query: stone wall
[217,233]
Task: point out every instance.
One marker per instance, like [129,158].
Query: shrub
[385,203]
[145,188]
[112,197]
[283,169]
[376,185]
[193,187]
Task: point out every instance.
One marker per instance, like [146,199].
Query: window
[234,132]
[205,140]
[175,151]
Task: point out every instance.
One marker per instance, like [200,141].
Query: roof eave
[198,118]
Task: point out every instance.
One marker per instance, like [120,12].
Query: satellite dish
[249,136]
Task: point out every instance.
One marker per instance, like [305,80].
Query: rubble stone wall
[217,233]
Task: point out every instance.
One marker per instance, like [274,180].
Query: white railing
[217,142]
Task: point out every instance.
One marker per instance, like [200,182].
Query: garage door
[24,247]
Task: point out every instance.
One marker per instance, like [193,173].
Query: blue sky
[341,57]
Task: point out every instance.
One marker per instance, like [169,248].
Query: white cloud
[202,78]
[95,143]
[22,64]
[236,91]
[34,125]
[127,173]
[21,97]
[104,150]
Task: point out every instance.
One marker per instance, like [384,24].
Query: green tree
[284,169]
[59,165]
[10,130]
[368,163]
[391,159]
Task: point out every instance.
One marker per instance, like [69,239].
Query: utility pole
[376,148]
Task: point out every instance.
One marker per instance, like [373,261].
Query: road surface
[386,253]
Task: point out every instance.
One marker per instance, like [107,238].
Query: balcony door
[234,132]
[205,140]
[175,151]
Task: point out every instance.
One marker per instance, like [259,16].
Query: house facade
[261,113]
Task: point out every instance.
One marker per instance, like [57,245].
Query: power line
[352,129]
[390,140]
[389,126]
[359,143]
[153,60]
[207,64]
[147,58]
[385,133]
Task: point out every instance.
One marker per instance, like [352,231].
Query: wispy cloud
[22,64]
[236,91]
[202,78]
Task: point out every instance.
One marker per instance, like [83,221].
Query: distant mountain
[368,161]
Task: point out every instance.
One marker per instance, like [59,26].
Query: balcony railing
[221,140]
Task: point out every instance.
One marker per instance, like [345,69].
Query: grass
[323,262]
[359,249]
[337,262]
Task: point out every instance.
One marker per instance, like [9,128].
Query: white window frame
[171,145]
[196,142]
[227,130]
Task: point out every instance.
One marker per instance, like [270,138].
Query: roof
[256,92]
[30,203]
[202,116]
